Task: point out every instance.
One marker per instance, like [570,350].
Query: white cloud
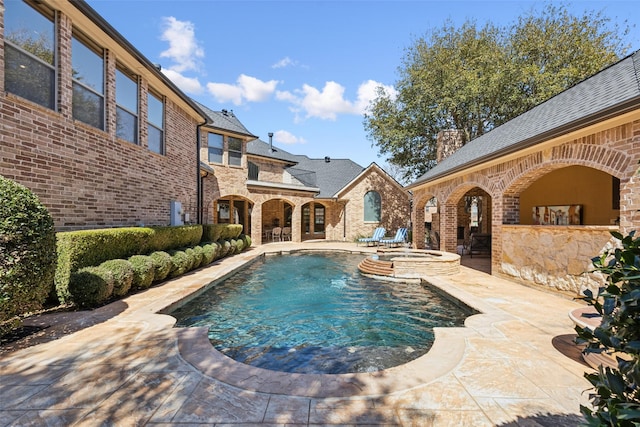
[288,138]
[184,50]
[246,89]
[285,62]
[330,102]
[186,84]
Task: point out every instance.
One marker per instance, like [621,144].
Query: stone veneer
[527,256]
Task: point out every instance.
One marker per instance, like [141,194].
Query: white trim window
[215,144]
[126,106]
[372,206]
[155,123]
[235,151]
[88,83]
[30,53]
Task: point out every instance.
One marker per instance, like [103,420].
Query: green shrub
[616,400]
[91,286]
[162,265]
[209,253]
[225,248]
[181,263]
[173,237]
[200,261]
[28,251]
[212,232]
[218,248]
[237,245]
[246,239]
[84,248]
[193,259]
[122,273]
[143,271]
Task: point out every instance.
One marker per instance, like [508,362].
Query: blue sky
[304,70]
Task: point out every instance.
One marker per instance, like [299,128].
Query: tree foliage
[474,79]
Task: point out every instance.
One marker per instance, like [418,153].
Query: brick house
[260,186]
[87,123]
[105,140]
[547,187]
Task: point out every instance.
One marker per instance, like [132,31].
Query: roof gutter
[607,114]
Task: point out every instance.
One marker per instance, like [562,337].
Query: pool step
[376,267]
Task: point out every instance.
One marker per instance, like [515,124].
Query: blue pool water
[315,313]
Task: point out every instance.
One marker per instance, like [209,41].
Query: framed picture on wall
[557,215]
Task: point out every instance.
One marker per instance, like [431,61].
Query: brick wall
[615,150]
[86,177]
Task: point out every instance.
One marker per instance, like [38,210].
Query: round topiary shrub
[122,272]
[143,271]
[162,265]
[218,248]
[246,239]
[28,248]
[209,253]
[225,248]
[91,286]
[194,259]
[199,251]
[181,263]
[237,245]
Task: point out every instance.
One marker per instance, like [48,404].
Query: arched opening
[313,221]
[276,214]
[233,210]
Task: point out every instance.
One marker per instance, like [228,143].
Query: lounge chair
[378,234]
[400,238]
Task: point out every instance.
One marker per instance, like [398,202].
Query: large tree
[474,79]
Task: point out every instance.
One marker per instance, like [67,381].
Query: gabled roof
[328,175]
[610,92]
[224,120]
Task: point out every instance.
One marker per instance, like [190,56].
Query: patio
[123,364]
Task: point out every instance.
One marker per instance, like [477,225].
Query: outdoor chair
[378,234]
[286,233]
[276,234]
[400,238]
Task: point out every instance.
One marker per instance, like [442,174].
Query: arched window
[372,206]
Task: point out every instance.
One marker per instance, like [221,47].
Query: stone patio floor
[125,365]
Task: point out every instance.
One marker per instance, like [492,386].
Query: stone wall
[556,257]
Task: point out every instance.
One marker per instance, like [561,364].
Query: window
[215,142]
[155,123]
[126,107]
[372,206]
[235,151]
[318,219]
[30,53]
[306,218]
[253,171]
[88,84]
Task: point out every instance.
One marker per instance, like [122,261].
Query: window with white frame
[30,52]
[155,123]
[235,151]
[126,106]
[372,206]
[88,83]
[215,143]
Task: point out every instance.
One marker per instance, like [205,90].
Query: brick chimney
[448,142]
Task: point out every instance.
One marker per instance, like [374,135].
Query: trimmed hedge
[27,248]
[84,248]
[162,265]
[216,232]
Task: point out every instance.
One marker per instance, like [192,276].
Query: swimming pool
[315,313]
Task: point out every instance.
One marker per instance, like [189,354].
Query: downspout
[199,195]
